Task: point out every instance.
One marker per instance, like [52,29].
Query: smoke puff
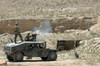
[45,27]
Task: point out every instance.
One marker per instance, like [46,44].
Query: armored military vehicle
[16,51]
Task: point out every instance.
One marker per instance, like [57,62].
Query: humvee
[16,51]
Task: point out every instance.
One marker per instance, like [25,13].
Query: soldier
[33,37]
[27,38]
[17,32]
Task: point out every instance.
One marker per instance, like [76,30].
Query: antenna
[87,36]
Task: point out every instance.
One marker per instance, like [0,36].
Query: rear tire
[52,56]
[44,58]
[10,58]
[18,57]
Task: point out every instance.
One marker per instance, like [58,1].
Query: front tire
[52,56]
[10,58]
[18,57]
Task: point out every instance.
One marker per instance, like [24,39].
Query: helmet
[28,34]
[16,23]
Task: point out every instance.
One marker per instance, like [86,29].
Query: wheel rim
[18,57]
[52,56]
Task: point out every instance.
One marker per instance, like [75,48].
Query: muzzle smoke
[45,27]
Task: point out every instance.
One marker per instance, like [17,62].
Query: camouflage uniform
[17,33]
[27,38]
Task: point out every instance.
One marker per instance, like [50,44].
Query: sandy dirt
[63,60]
[48,8]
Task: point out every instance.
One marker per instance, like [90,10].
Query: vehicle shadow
[34,61]
[30,61]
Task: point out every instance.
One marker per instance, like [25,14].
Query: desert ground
[54,20]
[64,59]
[14,9]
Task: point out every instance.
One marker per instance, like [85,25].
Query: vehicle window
[35,45]
[41,46]
[31,45]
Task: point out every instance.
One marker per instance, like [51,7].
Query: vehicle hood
[13,44]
